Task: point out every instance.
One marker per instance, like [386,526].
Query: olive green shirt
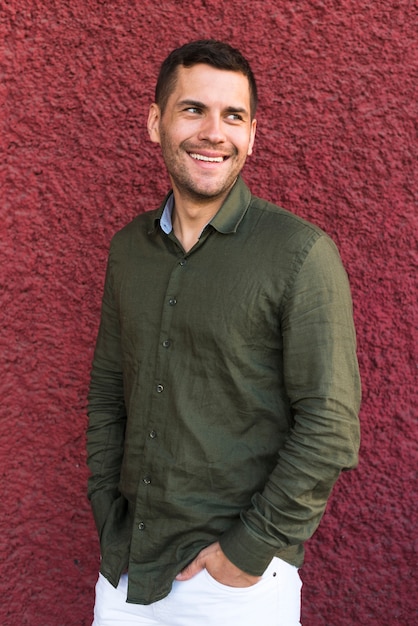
[224,393]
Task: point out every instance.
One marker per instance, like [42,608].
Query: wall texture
[335,145]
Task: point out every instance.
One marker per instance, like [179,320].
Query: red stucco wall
[335,144]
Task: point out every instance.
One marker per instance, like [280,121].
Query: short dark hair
[211,52]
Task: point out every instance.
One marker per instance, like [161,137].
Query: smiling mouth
[207,159]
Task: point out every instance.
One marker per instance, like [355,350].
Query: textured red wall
[335,145]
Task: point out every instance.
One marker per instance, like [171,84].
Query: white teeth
[201,157]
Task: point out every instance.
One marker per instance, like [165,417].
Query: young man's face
[205,132]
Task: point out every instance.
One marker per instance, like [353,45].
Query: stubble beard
[196,190]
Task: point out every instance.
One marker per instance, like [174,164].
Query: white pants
[202,601]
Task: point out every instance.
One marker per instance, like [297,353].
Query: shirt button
[160,388]
[141,526]
[183,262]
[146,480]
[152,434]
[172,302]
[166,343]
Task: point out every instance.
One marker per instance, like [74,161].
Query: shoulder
[275,228]
[281,219]
[139,227]
[287,239]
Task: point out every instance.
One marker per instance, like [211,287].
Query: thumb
[191,570]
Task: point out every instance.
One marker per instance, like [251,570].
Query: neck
[190,218]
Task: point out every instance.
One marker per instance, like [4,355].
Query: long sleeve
[322,382]
[106,410]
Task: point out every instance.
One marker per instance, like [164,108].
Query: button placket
[145,489]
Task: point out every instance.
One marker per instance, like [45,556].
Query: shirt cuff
[248,552]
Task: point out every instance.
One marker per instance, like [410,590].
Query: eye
[235,117]
[193,110]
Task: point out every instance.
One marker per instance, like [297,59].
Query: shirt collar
[229,216]
[226,220]
[165,220]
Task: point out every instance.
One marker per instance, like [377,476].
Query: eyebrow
[191,103]
[201,105]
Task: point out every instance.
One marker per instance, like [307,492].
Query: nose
[211,129]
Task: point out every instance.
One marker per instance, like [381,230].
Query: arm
[106,410]
[323,386]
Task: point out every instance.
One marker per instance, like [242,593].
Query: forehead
[207,84]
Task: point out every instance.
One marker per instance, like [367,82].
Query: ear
[252,137]
[153,124]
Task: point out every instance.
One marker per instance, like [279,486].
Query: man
[224,393]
